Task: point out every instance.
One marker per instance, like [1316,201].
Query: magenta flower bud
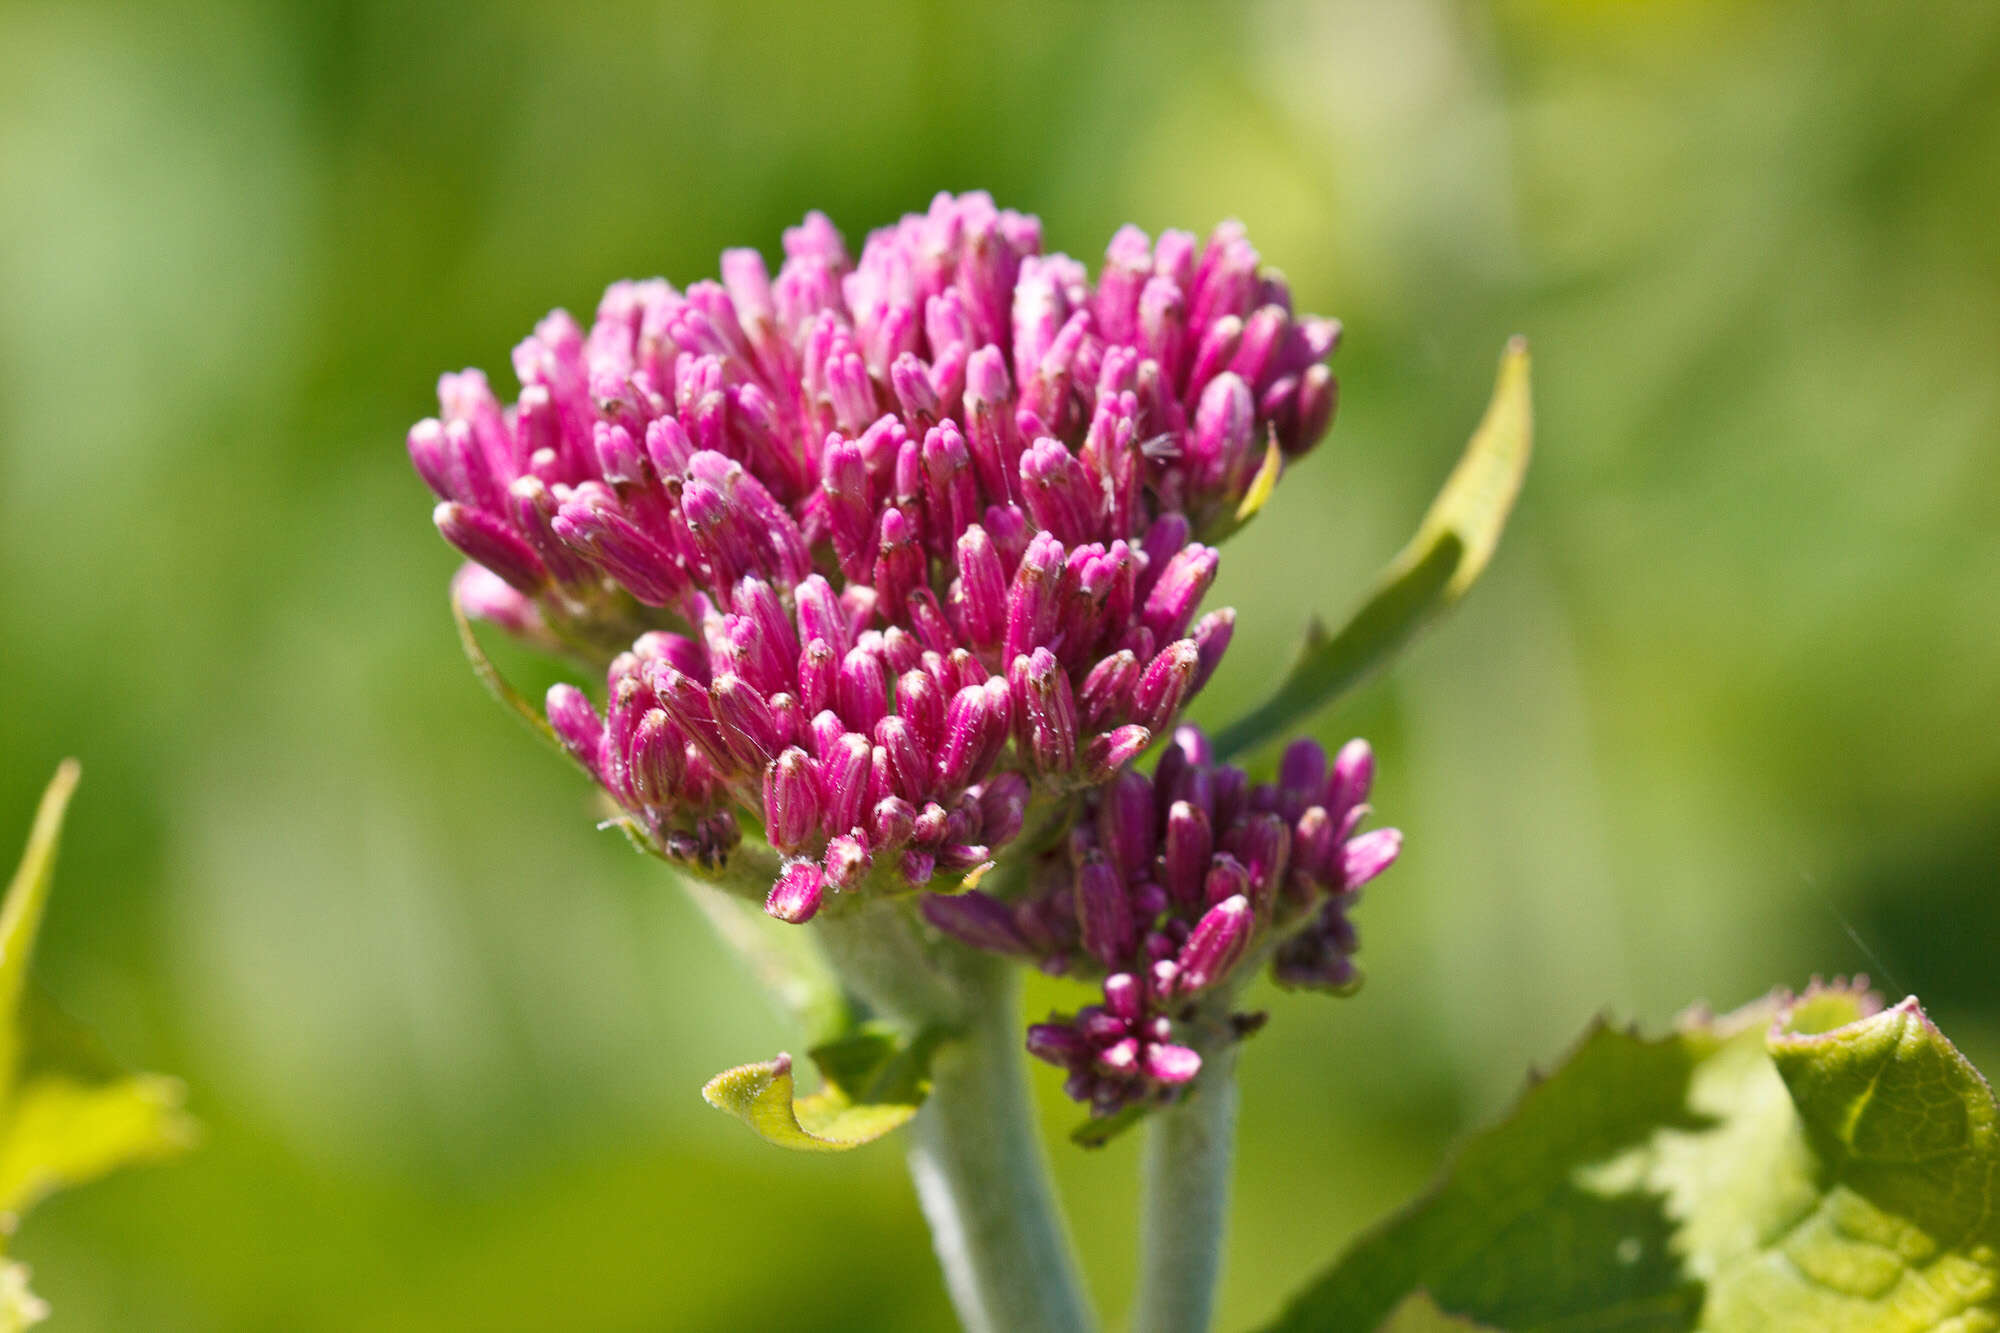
[1113,750]
[862,690]
[1171,1064]
[893,821]
[484,595]
[575,723]
[1032,601]
[1107,695]
[819,677]
[1257,353]
[917,867]
[844,771]
[1124,996]
[1163,325]
[1149,900]
[1044,712]
[1318,398]
[899,562]
[846,860]
[982,583]
[656,761]
[1104,912]
[1211,640]
[850,520]
[1301,776]
[619,458]
[668,448]
[1003,806]
[908,762]
[974,729]
[1225,430]
[1227,879]
[910,378]
[797,894]
[974,918]
[1314,843]
[1120,1059]
[645,567]
[1057,1043]
[1353,775]
[486,539]
[1172,602]
[533,509]
[693,711]
[1215,350]
[820,615]
[791,800]
[950,489]
[1184,858]
[743,719]
[1367,856]
[1058,492]
[1165,685]
[1125,826]
[920,703]
[1263,844]
[1216,942]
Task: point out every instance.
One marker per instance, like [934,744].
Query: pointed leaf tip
[1452,547]
[28,892]
[874,1083]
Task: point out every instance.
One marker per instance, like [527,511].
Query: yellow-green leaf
[67,1113]
[874,1082]
[1452,546]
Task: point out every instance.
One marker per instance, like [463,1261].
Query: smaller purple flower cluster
[1167,885]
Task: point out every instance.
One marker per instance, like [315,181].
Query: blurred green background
[1723,714]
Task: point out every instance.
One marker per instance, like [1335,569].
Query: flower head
[873,553]
[1168,886]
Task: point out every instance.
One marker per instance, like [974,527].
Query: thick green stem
[1190,1150]
[975,1154]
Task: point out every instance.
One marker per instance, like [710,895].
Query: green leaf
[1811,1166]
[67,1113]
[496,684]
[72,1115]
[1446,556]
[874,1082]
[1420,1314]
[1099,1130]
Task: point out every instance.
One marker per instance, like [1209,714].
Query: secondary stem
[1190,1147]
[975,1153]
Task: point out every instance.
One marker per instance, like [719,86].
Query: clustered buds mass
[901,557]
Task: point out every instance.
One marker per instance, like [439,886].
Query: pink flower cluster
[877,552]
[1168,885]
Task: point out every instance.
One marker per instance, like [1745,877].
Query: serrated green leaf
[875,1081]
[1809,1167]
[1451,548]
[67,1113]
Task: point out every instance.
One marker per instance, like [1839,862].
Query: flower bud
[1213,947]
[791,800]
[797,894]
